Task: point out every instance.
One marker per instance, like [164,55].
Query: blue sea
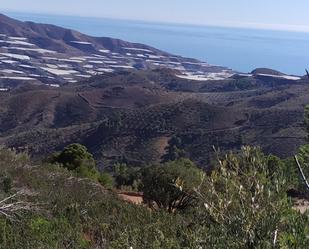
[236,48]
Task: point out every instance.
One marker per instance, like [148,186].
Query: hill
[47,54]
[131,116]
[76,215]
[126,101]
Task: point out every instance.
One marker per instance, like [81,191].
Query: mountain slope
[42,53]
[131,116]
[126,101]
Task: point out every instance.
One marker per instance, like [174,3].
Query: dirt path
[132,197]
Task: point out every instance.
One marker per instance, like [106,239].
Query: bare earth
[132,197]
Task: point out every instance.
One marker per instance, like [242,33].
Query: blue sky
[269,14]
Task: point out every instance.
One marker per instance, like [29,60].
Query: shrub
[244,201]
[75,157]
[171,185]
[6,184]
[303,156]
[126,176]
[295,230]
[106,180]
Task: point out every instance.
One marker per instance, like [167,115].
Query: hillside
[77,215]
[126,101]
[47,54]
[131,116]
[48,206]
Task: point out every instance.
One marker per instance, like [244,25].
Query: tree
[75,157]
[243,201]
[174,150]
[171,185]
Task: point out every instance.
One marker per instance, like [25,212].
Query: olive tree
[243,201]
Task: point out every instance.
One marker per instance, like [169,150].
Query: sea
[240,49]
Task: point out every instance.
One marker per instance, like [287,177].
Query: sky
[266,14]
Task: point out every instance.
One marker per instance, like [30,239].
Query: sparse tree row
[247,200]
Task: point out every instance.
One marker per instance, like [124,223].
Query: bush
[126,176]
[244,201]
[6,184]
[75,157]
[106,180]
[303,156]
[171,185]
[295,230]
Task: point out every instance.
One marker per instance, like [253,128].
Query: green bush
[295,230]
[303,156]
[106,180]
[6,184]
[126,176]
[75,157]
[243,201]
[171,185]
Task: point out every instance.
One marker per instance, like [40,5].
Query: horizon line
[239,25]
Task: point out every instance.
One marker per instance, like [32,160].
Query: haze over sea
[236,48]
